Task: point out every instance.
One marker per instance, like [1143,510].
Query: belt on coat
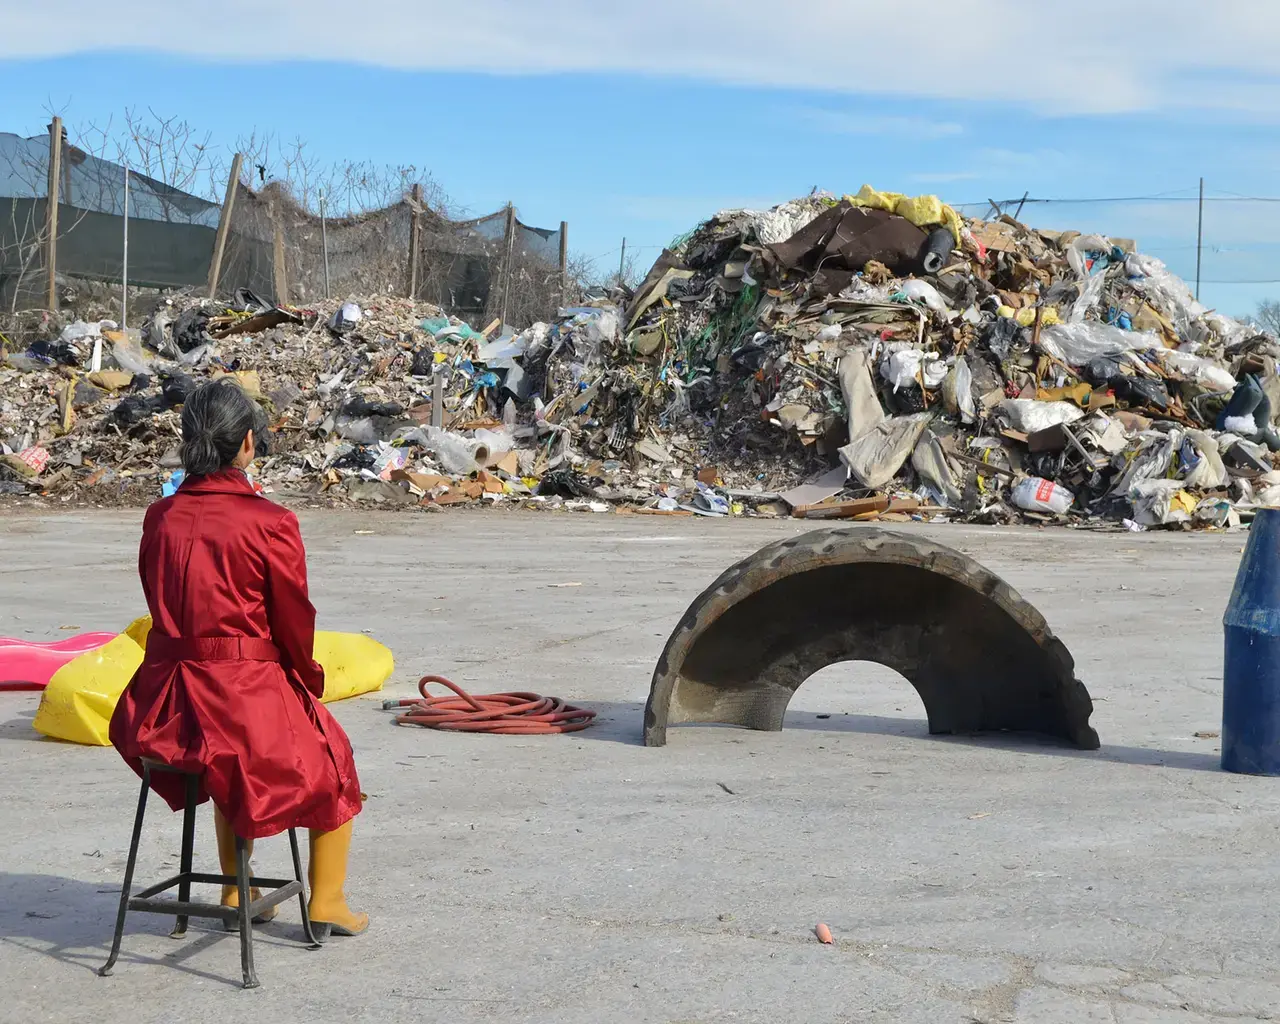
[210,648]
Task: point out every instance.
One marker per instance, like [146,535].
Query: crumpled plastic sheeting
[930,462]
[1029,415]
[1078,344]
[904,364]
[1161,502]
[1211,472]
[1203,370]
[875,457]
[1152,278]
[1090,296]
[780,223]
[1151,462]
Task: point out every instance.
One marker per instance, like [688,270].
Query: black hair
[216,418]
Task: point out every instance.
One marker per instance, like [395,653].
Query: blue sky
[640,123]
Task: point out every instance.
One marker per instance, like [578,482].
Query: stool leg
[246,927]
[127,887]
[188,843]
[312,943]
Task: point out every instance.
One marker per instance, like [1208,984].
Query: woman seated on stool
[229,688]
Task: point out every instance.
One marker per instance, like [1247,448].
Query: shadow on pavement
[72,921]
[624,723]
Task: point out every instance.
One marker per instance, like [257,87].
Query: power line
[1167,198]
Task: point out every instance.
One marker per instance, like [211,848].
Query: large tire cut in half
[981,658]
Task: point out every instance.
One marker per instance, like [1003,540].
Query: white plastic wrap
[1205,371]
[80,330]
[1155,503]
[457,454]
[1152,461]
[904,366]
[780,223]
[128,356]
[1165,290]
[1090,296]
[498,442]
[1029,415]
[1078,343]
[922,291]
[1211,473]
[1035,494]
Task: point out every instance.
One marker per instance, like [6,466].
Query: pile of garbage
[871,356]
[878,356]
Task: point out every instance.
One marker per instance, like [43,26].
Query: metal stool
[276,891]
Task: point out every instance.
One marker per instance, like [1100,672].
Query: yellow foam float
[80,698]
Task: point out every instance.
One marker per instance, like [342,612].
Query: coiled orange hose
[505,714]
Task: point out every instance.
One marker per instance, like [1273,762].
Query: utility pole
[622,262]
[1199,238]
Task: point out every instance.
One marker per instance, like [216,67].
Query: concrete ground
[585,878]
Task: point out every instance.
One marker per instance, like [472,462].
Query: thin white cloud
[945,177]
[1097,56]
[854,122]
[996,166]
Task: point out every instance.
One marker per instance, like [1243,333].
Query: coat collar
[224,481]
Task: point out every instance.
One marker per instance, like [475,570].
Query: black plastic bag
[135,409]
[358,408]
[177,389]
[189,329]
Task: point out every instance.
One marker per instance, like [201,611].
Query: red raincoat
[229,686]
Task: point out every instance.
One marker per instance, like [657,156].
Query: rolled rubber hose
[505,714]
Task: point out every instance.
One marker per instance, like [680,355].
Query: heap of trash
[871,356]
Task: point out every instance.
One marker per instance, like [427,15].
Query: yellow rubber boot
[227,860]
[327,872]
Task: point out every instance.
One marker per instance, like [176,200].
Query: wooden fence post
[415,238]
[564,262]
[224,226]
[54,197]
[277,255]
[508,246]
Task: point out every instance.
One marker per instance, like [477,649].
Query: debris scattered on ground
[867,357]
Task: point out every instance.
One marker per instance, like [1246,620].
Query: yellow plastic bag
[1049,318]
[922,211]
[78,702]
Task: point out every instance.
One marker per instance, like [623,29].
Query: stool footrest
[280,892]
[201,878]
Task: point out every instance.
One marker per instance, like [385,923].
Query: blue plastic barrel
[1251,668]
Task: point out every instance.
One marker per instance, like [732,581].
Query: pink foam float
[28,665]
